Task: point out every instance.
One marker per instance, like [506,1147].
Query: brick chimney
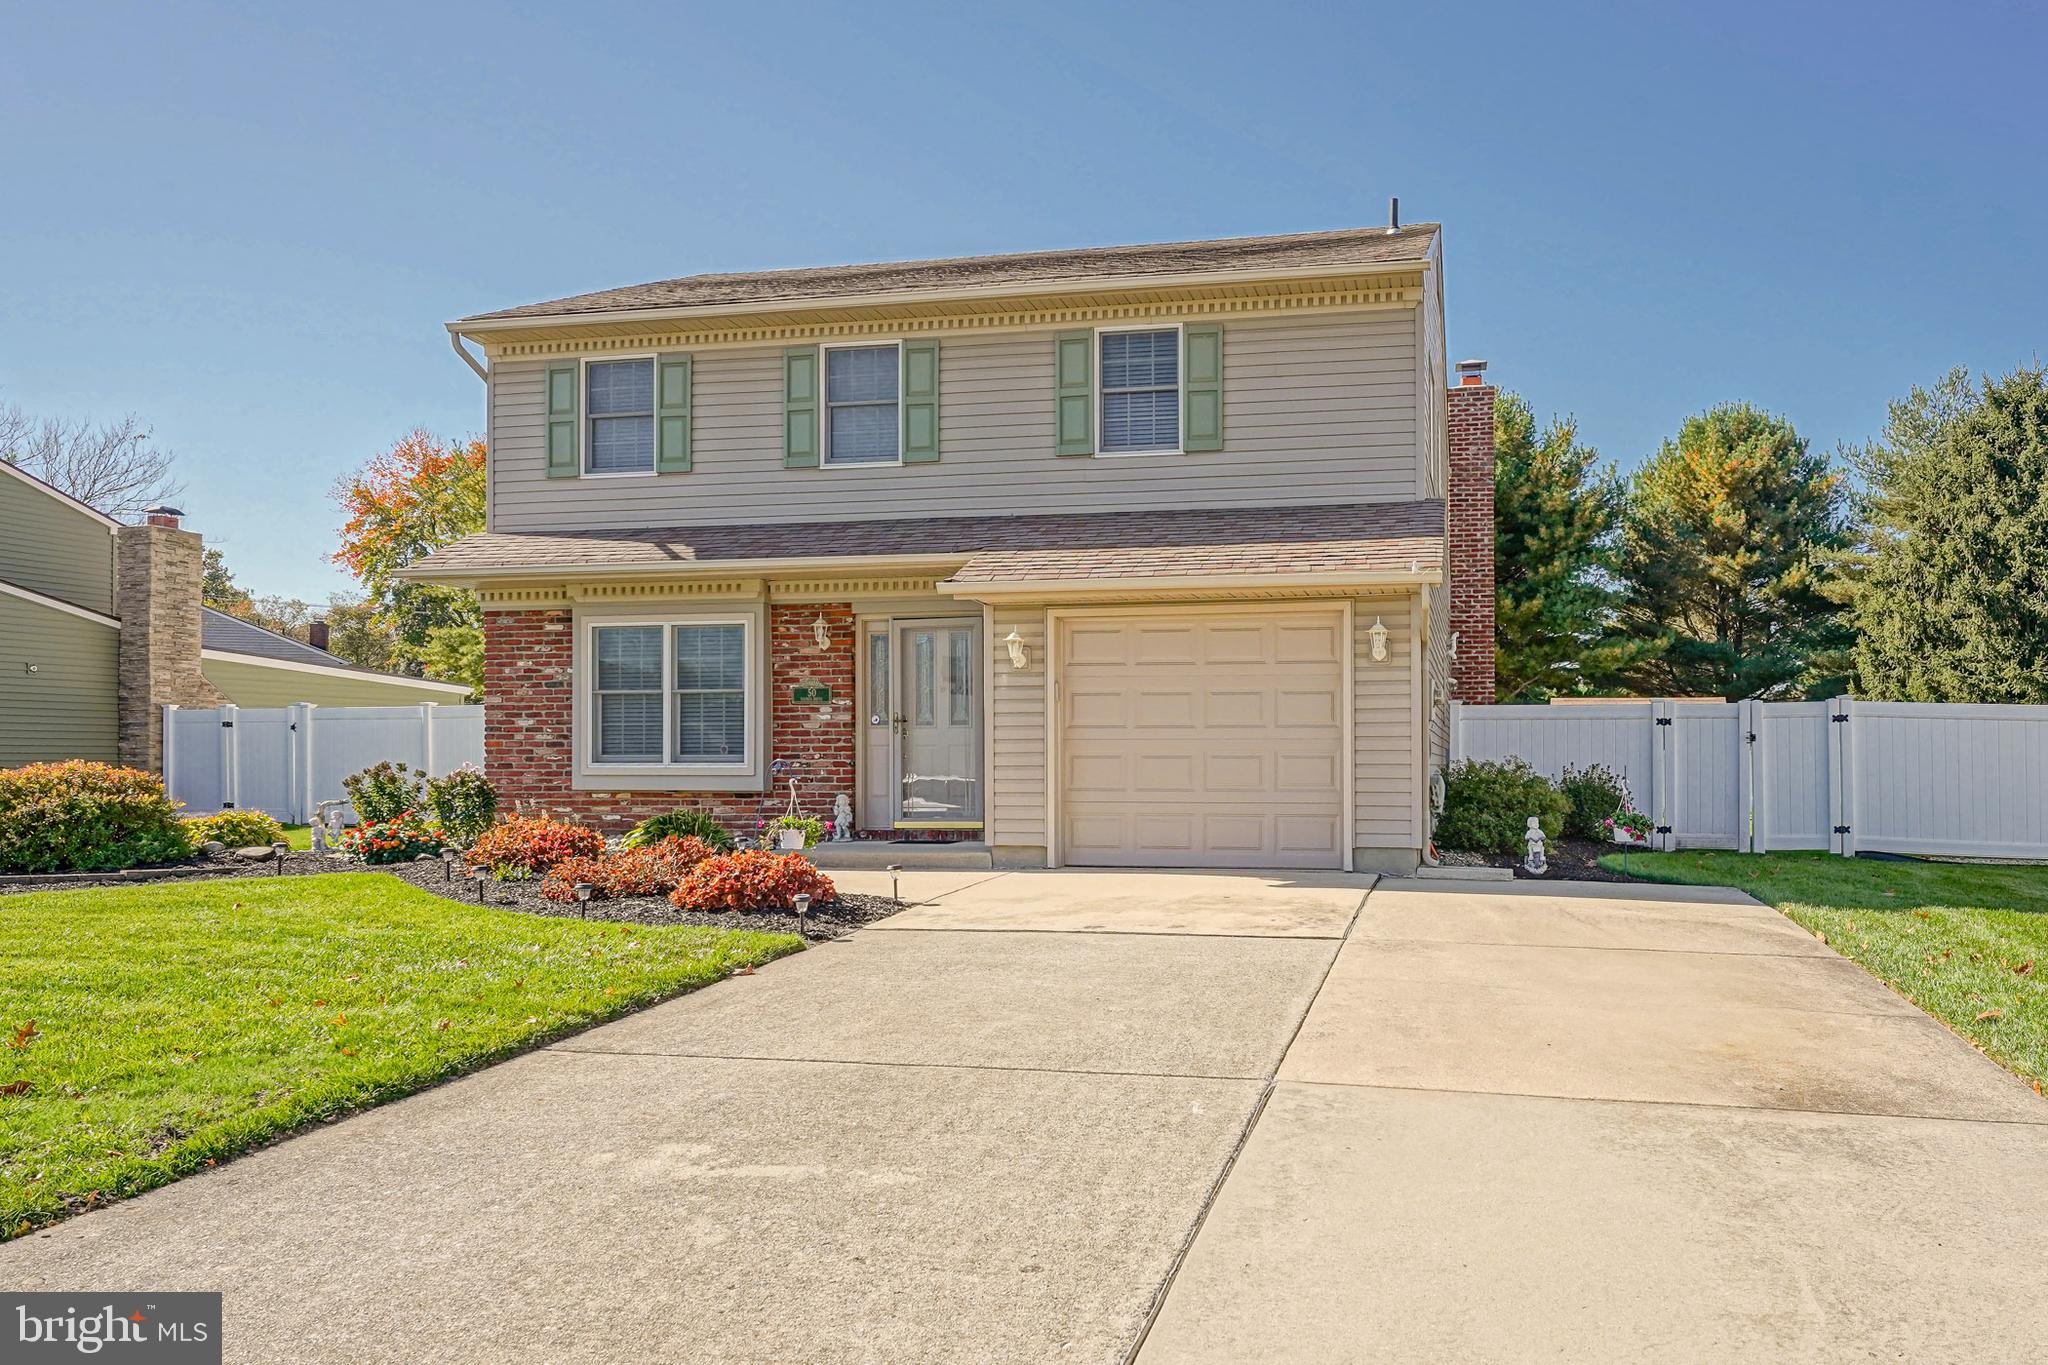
[1468,516]
[316,635]
[156,594]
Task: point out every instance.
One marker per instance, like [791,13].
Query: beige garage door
[1193,739]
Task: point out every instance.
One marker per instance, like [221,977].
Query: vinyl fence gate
[286,760]
[1840,775]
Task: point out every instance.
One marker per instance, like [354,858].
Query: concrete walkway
[961,1139]
[1601,1123]
[1202,1117]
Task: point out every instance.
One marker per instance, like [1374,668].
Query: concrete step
[879,853]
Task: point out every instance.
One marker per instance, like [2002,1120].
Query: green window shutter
[672,414]
[1201,387]
[920,402]
[1074,377]
[562,460]
[800,407]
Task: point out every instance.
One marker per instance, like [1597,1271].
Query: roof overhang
[1018,294]
[1141,587]
[228,656]
[684,570]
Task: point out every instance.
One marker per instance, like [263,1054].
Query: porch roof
[1390,539]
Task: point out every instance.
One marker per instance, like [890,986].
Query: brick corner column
[1468,518]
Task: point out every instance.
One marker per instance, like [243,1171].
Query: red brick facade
[1468,515]
[528,726]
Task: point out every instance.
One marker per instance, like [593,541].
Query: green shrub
[464,802]
[1595,793]
[86,817]
[235,828]
[385,792]
[687,824]
[1487,806]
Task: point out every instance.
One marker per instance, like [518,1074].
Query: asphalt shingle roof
[1355,537]
[1108,264]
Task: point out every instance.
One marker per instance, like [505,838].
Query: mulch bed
[1571,860]
[836,920]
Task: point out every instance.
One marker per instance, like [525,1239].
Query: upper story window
[670,693]
[862,393]
[1140,391]
[621,408]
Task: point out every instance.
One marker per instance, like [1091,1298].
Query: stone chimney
[1468,518]
[316,635]
[156,594]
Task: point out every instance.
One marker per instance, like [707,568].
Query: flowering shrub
[528,845]
[86,817]
[398,840]
[751,879]
[464,802]
[1596,792]
[695,823]
[385,791]
[235,828]
[654,870]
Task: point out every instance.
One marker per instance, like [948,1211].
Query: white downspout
[455,340]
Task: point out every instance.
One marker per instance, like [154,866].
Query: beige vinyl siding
[1383,727]
[1436,675]
[49,546]
[258,684]
[1316,410]
[1432,404]
[67,707]
[1017,775]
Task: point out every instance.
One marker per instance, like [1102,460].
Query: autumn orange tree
[412,499]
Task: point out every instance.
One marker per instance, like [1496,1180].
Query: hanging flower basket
[1630,829]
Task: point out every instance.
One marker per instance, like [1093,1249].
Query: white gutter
[227,656]
[966,293]
[28,595]
[692,568]
[455,340]
[1067,587]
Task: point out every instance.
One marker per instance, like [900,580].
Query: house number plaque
[810,694]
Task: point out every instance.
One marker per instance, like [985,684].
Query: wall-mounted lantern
[1020,653]
[821,632]
[1378,636]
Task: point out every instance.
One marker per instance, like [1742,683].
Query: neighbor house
[101,627]
[1127,555]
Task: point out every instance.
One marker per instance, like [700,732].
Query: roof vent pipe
[1393,215]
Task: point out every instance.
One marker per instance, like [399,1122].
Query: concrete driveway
[1202,1117]
[1603,1123]
[968,1136]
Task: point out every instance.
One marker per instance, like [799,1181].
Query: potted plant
[1629,828]
[792,833]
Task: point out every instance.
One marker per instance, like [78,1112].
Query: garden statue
[1535,864]
[842,817]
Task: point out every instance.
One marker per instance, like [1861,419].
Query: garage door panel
[1203,740]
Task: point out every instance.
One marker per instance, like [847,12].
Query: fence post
[427,736]
[1746,723]
[1457,731]
[1841,781]
[169,751]
[1664,775]
[230,768]
[310,799]
[1759,784]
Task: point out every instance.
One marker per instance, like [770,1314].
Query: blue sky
[247,224]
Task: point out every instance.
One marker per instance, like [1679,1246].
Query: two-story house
[1123,556]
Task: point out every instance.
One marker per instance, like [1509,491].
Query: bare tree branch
[114,466]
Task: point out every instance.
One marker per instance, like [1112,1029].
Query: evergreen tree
[1556,513]
[217,587]
[1951,603]
[1728,533]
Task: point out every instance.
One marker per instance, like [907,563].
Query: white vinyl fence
[1841,775]
[286,760]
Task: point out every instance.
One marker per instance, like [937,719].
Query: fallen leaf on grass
[340,1020]
[1990,1014]
[24,1035]
[2024,968]
[1919,914]
[442,1026]
[16,1088]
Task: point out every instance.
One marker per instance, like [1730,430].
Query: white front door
[936,715]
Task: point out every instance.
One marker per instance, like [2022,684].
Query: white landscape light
[584,890]
[1378,636]
[1020,653]
[801,904]
[448,856]
[821,632]
[482,875]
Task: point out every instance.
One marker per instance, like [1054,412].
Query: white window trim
[1179,388]
[584,711]
[584,419]
[825,460]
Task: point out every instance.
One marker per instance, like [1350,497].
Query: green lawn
[177,1025]
[1967,943]
[299,837]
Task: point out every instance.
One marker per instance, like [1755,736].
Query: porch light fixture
[821,632]
[1378,636]
[1020,653]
